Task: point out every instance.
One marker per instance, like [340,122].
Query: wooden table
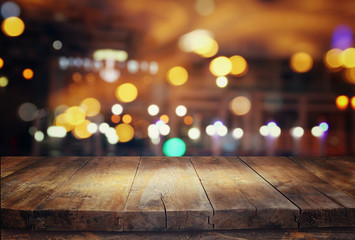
[109,194]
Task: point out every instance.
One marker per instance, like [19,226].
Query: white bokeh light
[117,109]
[153,110]
[181,110]
[237,133]
[194,133]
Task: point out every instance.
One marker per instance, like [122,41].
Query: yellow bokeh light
[81,131]
[212,50]
[60,121]
[125,132]
[332,58]
[239,65]
[4,81]
[164,118]
[91,106]
[188,120]
[27,73]
[1,62]
[75,115]
[12,26]
[126,92]
[352,102]
[220,66]
[177,76]
[350,75]
[301,62]
[127,118]
[348,57]
[240,106]
[342,102]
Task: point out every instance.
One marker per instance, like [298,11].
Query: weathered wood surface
[241,199]
[166,195]
[94,198]
[10,165]
[338,171]
[321,204]
[24,190]
[256,234]
[173,194]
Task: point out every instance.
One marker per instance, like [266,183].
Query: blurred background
[177,77]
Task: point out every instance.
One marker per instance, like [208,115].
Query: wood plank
[338,171]
[255,234]
[10,165]
[241,199]
[92,200]
[321,204]
[167,195]
[24,190]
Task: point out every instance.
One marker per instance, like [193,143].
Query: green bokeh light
[174,147]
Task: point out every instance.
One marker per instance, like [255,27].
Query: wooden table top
[176,193]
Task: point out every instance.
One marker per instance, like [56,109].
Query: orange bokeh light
[127,118]
[115,118]
[27,73]
[352,102]
[342,102]
[164,118]
[188,120]
[1,62]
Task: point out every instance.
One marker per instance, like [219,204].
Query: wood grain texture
[255,234]
[93,199]
[10,165]
[242,199]
[321,204]
[166,195]
[24,190]
[338,171]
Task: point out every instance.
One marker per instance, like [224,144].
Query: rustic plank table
[101,195]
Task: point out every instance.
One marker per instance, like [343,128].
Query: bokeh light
[210,130]
[103,127]
[222,82]
[91,106]
[342,102]
[4,81]
[57,45]
[27,73]
[239,65]
[237,133]
[221,130]
[350,75]
[352,102]
[10,9]
[1,63]
[117,109]
[12,26]
[164,129]
[220,66]
[27,111]
[204,7]
[125,132]
[188,120]
[56,131]
[181,110]
[317,131]
[75,115]
[296,132]
[39,136]
[153,110]
[324,126]
[127,118]
[240,105]
[126,92]
[81,131]
[77,77]
[115,118]
[177,76]
[61,121]
[194,133]
[153,131]
[92,127]
[301,62]
[348,57]
[264,131]
[164,118]
[332,58]
[174,147]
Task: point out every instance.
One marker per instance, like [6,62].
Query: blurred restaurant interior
[177,77]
